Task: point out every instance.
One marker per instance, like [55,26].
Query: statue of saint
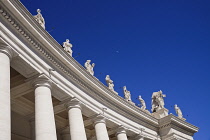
[39,18]
[89,67]
[157,101]
[109,83]
[127,94]
[143,104]
[178,111]
[67,47]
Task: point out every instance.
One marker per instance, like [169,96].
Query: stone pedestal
[131,102]
[163,112]
[182,119]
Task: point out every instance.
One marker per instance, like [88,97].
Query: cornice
[178,124]
[70,68]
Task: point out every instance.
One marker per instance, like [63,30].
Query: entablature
[43,45]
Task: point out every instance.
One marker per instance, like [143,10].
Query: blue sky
[147,45]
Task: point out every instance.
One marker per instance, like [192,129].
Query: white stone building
[45,94]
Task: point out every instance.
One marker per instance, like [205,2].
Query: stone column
[121,133]
[77,129]
[5,107]
[65,134]
[100,127]
[44,115]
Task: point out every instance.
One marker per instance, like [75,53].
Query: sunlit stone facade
[45,94]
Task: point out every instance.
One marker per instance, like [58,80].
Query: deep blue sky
[146,45]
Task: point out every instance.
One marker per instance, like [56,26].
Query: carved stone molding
[73,103]
[100,118]
[4,48]
[121,129]
[42,80]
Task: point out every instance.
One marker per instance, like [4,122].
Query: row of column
[44,115]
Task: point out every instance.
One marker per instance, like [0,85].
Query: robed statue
[127,94]
[89,67]
[67,47]
[109,83]
[178,111]
[39,18]
[143,104]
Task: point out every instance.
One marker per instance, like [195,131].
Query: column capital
[73,103]
[4,48]
[42,80]
[99,118]
[121,129]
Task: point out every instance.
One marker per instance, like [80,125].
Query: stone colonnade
[44,115]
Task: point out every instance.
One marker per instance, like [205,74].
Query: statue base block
[115,92]
[131,102]
[160,113]
[183,119]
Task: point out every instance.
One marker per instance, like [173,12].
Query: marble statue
[109,83]
[67,47]
[178,111]
[89,67]
[127,94]
[39,18]
[143,104]
[157,101]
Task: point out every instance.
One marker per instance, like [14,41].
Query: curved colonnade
[68,101]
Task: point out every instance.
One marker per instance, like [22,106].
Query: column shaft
[121,133]
[76,124]
[101,131]
[44,114]
[100,127]
[5,107]
[122,136]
